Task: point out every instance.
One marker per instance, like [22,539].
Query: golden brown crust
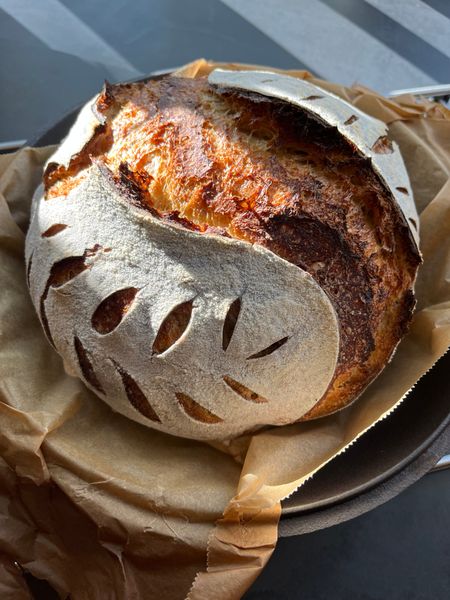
[263,171]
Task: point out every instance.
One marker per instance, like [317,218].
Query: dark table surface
[400,550]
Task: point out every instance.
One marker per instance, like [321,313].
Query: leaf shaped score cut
[137,397]
[62,272]
[196,410]
[244,391]
[230,323]
[86,366]
[110,312]
[173,327]
[54,230]
[270,349]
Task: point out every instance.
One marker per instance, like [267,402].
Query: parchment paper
[103,507]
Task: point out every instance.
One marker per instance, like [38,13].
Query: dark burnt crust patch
[175,217]
[408,305]
[133,186]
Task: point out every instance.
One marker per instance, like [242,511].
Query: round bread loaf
[213,255]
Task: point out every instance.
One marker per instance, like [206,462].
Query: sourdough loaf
[216,255]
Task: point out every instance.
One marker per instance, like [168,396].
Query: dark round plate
[379,454]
